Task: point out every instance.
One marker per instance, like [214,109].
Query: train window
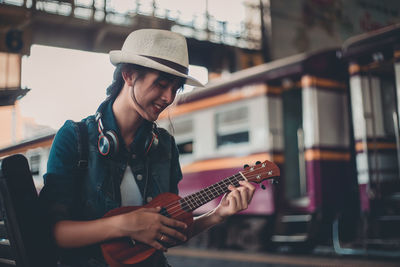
[376,91]
[183,132]
[294,167]
[384,165]
[388,96]
[232,126]
[182,127]
[185,148]
[35,164]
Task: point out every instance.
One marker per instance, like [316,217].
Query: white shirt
[130,193]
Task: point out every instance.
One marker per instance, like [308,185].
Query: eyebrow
[164,76]
[175,80]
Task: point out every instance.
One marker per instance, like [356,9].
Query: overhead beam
[44,28]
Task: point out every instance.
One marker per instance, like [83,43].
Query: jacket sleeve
[59,194]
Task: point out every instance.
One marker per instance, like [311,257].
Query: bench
[24,236]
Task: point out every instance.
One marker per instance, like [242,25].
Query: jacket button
[149,199]
[139,177]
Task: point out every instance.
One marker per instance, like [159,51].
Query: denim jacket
[72,194]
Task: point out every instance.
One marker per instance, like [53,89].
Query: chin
[151,118]
[148,116]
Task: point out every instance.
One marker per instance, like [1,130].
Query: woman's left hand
[235,201]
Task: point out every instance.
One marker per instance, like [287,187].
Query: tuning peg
[245,166]
[258,162]
[273,181]
[262,186]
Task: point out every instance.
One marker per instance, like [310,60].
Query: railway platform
[190,257]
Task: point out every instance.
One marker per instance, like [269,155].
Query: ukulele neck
[193,201]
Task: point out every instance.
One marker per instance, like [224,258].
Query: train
[329,119]
[292,111]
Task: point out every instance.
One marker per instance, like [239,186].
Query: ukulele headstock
[261,171]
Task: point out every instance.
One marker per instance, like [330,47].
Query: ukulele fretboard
[193,201]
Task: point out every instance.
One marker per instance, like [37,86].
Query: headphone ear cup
[103,144]
[108,144]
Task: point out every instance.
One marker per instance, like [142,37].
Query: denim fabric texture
[73,194]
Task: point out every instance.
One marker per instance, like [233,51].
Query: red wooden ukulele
[122,252]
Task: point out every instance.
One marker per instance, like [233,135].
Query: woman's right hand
[148,226]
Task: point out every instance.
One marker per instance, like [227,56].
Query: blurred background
[313,85]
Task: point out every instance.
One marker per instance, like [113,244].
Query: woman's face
[152,94]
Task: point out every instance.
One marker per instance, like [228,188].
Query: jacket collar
[110,123]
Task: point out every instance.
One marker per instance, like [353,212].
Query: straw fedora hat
[157,49]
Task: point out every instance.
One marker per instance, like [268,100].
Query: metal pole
[264,36]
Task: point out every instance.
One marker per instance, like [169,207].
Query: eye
[162,84]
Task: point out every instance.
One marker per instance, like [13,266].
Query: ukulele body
[122,252]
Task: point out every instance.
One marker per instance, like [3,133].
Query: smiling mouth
[158,107]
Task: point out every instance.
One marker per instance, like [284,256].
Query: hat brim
[117,56]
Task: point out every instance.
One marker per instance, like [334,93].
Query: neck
[128,119]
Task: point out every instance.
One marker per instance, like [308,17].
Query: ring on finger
[162,237]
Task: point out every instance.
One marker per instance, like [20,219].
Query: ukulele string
[176,205]
[234,176]
[168,207]
[173,203]
[175,208]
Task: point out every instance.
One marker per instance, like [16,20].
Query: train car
[374,69]
[292,111]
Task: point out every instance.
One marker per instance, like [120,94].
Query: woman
[130,160]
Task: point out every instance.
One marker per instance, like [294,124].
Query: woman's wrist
[115,223]
[216,217]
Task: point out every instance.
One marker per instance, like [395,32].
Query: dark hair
[118,81]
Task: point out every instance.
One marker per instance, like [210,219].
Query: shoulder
[67,137]
[163,132]
[63,151]
[165,137]
[90,123]
[66,134]
[166,141]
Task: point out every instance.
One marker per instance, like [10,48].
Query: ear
[128,77]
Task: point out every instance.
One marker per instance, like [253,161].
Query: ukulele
[123,252]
